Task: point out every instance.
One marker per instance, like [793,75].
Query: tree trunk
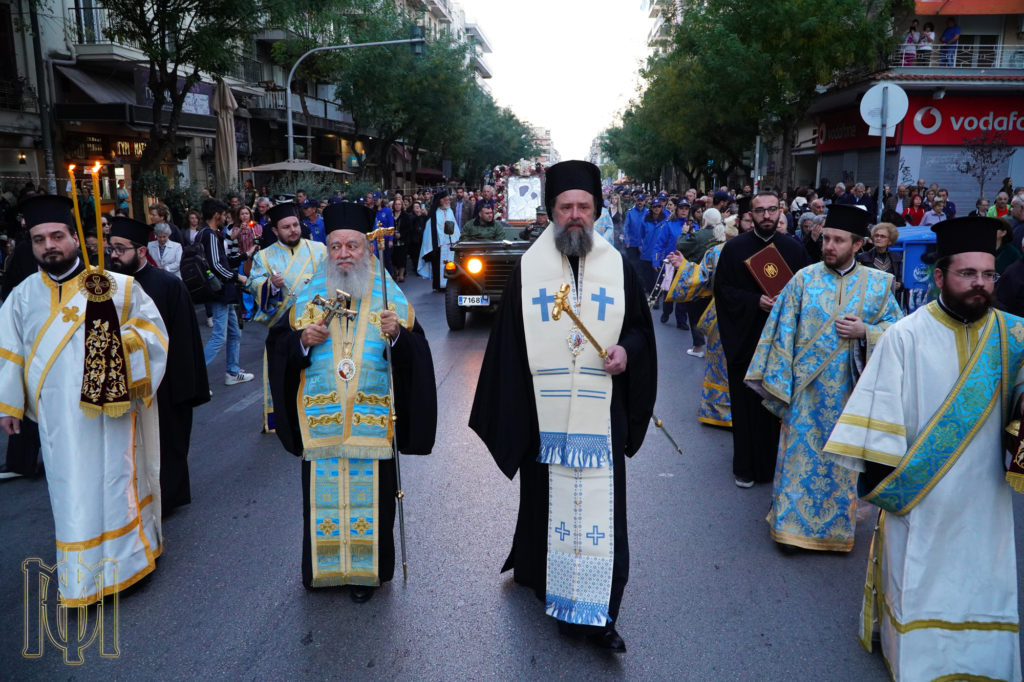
[785,175]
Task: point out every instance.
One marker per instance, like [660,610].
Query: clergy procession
[865,447]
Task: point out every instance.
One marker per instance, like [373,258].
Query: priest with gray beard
[338,411]
[577,415]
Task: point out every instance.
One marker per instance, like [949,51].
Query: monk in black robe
[742,312]
[414,390]
[504,415]
[185,384]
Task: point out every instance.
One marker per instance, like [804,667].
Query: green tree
[739,67]
[494,136]
[182,40]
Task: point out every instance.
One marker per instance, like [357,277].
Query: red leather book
[770,270]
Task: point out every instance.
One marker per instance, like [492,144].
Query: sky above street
[567,65]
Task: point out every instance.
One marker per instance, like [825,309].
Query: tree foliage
[428,102]
[739,67]
[183,40]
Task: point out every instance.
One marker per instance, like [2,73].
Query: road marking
[245,402]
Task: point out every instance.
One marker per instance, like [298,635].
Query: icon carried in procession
[579,330]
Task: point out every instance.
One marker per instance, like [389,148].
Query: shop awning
[101,90]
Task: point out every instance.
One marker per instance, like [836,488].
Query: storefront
[929,143]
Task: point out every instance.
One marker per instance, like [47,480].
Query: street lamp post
[417,42]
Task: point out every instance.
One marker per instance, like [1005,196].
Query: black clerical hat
[348,215]
[743,205]
[850,218]
[964,235]
[573,175]
[279,212]
[47,208]
[130,229]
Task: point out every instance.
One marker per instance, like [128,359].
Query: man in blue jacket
[634,230]
[649,264]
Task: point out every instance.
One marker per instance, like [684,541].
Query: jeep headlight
[475,266]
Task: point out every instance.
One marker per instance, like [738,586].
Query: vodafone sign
[948,121]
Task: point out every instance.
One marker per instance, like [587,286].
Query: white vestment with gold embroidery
[103,473]
[942,579]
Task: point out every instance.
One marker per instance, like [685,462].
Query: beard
[355,282]
[125,267]
[574,243]
[58,265]
[971,305]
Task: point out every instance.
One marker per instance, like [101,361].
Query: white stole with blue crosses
[573,395]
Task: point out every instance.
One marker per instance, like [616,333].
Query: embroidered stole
[297,272]
[115,369]
[346,429]
[339,418]
[981,386]
[573,397]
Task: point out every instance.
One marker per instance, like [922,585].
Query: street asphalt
[710,597]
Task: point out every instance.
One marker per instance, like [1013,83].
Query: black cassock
[755,430]
[505,417]
[415,406]
[184,386]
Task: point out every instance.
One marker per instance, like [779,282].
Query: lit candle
[78,218]
[95,171]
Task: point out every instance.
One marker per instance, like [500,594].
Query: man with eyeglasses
[742,312]
[925,429]
[824,326]
[185,383]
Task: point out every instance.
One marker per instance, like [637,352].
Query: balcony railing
[16,95]
[964,57]
[321,108]
[247,70]
[91,26]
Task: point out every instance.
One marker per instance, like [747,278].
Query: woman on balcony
[909,48]
[924,45]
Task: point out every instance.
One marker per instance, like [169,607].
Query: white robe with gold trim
[103,473]
[945,572]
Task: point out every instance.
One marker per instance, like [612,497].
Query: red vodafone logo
[954,120]
[927,120]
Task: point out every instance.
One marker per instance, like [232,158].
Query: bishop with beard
[337,410]
[576,415]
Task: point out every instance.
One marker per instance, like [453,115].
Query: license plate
[474,300]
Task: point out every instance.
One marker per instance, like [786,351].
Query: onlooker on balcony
[924,44]
[950,38]
[909,47]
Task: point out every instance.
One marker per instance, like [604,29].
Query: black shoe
[664,319]
[683,326]
[656,306]
[608,639]
[361,593]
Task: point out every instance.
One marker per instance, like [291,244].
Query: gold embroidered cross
[327,527]
[70,313]
[360,526]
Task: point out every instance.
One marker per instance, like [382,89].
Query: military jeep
[477,275]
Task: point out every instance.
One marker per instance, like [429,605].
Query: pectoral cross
[575,341]
[333,307]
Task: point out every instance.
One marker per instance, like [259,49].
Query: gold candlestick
[95,172]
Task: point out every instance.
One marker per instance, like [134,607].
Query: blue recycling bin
[915,242]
